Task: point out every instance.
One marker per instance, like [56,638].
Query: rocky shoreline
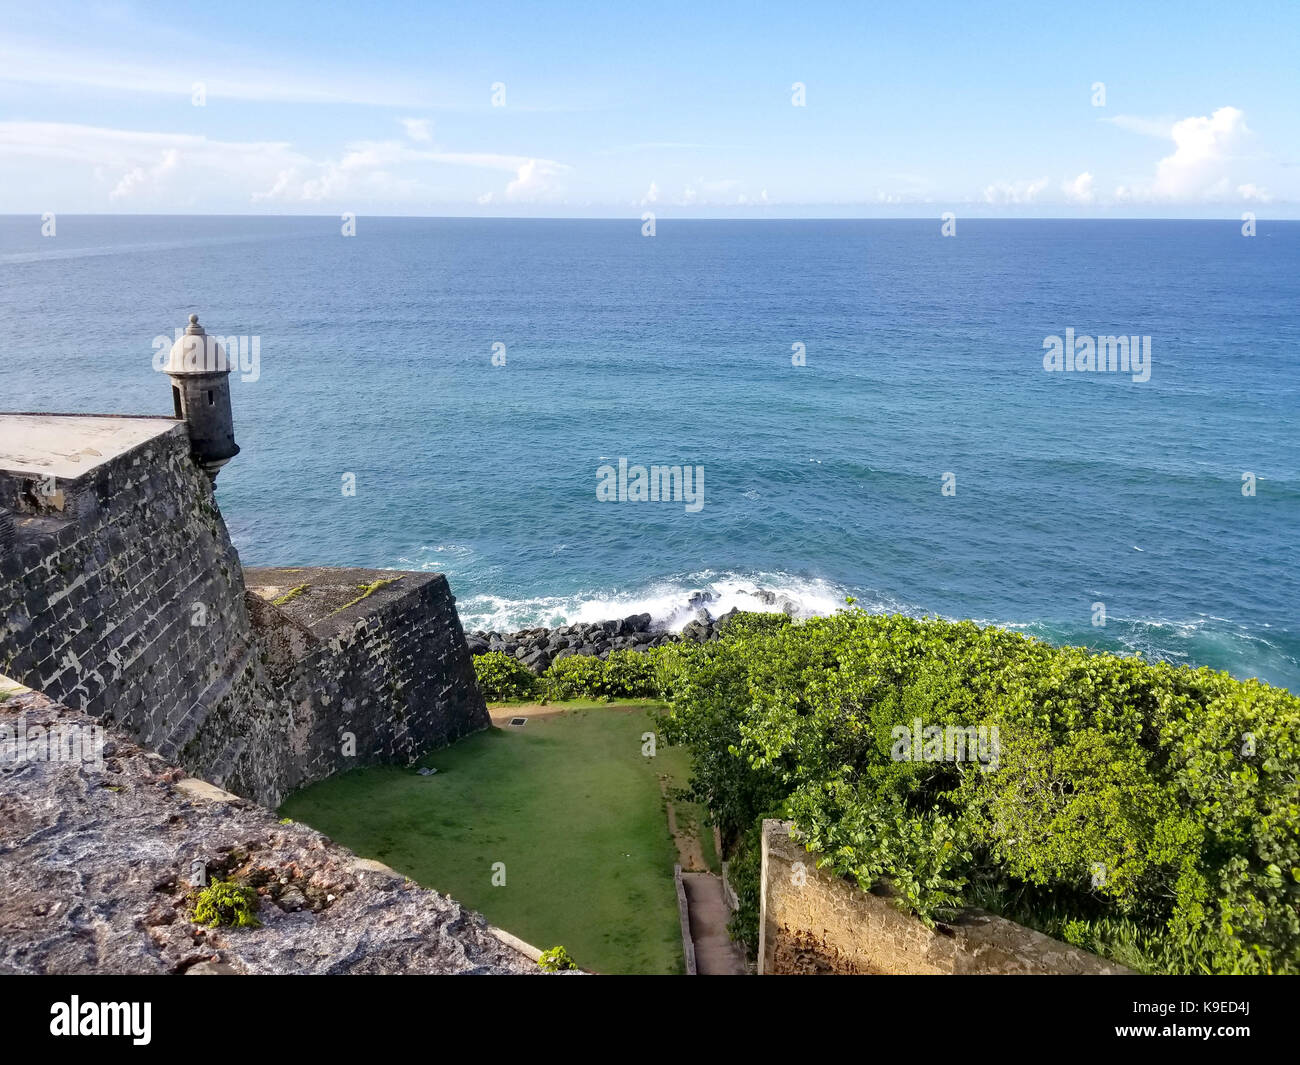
[538,648]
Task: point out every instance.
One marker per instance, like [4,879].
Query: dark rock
[537,660]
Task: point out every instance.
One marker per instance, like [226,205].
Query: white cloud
[32,63]
[718,192]
[139,178]
[1149,127]
[1019,192]
[133,169]
[651,195]
[1080,190]
[417,129]
[137,169]
[536,179]
[1204,148]
[1207,149]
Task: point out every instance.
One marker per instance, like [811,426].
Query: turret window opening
[212,400]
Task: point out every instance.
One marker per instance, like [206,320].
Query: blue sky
[683,109]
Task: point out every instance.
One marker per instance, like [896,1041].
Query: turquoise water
[924,356]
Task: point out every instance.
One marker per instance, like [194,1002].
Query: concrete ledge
[684,915]
[515,943]
[814,922]
[202,791]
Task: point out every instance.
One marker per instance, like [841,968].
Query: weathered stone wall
[97,863]
[122,595]
[108,575]
[813,922]
[391,673]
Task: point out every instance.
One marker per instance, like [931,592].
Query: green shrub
[501,677]
[556,960]
[670,666]
[1155,807]
[576,677]
[744,874]
[224,903]
[649,674]
[630,675]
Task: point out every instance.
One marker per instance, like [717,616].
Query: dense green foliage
[223,903]
[1137,802]
[1144,811]
[501,678]
[623,675]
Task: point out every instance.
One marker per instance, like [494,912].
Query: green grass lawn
[568,803]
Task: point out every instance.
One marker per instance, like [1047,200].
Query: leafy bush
[576,677]
[649,674]
[630,675]
[556,960]
[1154,806]
[501,677]
[224,903]
[744,874]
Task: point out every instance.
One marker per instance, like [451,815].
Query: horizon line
[334,215]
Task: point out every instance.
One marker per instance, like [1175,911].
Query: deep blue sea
[924,356]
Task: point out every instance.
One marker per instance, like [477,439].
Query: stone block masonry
[97,864]
[122,596]
[813,922]
[375,655]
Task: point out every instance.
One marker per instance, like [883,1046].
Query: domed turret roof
[195,352]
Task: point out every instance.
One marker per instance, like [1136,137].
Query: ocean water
[924,356]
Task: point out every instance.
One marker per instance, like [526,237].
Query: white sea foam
[667,601]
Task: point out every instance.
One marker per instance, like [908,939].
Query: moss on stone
[368,590]
[225,903]
[290,595]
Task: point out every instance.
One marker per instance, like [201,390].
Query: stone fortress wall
[122,596]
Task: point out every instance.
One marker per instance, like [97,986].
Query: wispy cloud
[31,63]
[140,168]
[1149,127]
[417,129]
